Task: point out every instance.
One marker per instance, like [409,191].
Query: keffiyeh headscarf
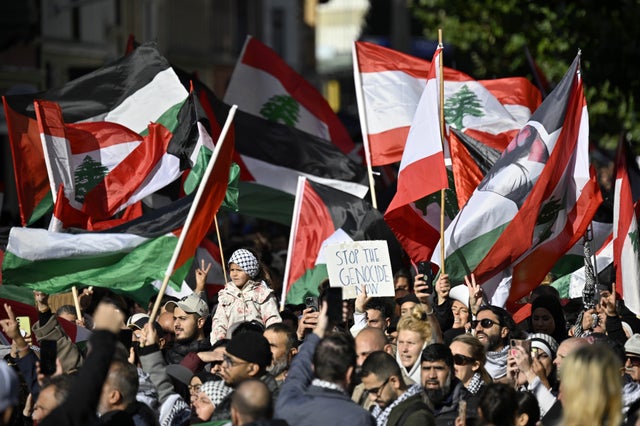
[246,260]
[216,391]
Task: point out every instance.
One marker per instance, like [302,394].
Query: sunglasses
[459,359]
[484,323]
[376,391]
[634,361]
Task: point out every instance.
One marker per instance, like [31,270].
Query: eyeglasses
[230,362]
[484,323]
[634,361]
[376,391]
[459,359]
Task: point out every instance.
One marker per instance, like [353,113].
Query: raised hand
[201,276]
[475,293]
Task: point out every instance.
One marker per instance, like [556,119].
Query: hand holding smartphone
[48,355]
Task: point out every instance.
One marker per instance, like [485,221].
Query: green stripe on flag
[19,294]
[307,284]
[464,260]
[168,119]
[45,206]
[129,272]
[262,202]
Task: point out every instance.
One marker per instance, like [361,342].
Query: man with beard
[247,356]
[189,316]
[284,345]
[443,391]
[494,326]
[395,402]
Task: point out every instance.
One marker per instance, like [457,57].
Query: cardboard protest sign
[354,263]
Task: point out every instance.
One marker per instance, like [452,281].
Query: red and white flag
[626,250]
[389,85]
[103,167]
[422,170]
[264,85]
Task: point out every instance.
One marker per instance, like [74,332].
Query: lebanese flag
[389,85]
[626,243]
[264,85]
[422,170]
[101,165]
[132,91]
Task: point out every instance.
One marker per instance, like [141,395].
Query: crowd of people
[439,357]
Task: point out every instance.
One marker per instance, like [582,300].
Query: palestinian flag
[262,84]
[133,91]
[131,258]
[535,203]
[389,85]
[626,242]
[272,156]
[422,170]
[325,215]
[571,285]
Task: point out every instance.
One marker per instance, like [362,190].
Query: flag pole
[192,211]
[294,227]
[442,193]
[224,268]
[362,115]
[76,301]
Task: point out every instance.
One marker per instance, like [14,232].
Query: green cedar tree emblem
[635,241]
[281,109]
[89,174]
[463,102]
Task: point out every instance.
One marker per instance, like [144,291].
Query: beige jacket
[255,301]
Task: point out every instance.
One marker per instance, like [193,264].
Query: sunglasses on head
[484,323]
[459,359]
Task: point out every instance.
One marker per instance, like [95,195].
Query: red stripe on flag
[314,226]
[212,197]
[416,236]
[387,147]
[466,173]
[104,200]
[29,168]
[419,179]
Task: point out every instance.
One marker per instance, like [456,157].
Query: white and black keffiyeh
[382,416]
[216,390]
[246,260]
[475,383]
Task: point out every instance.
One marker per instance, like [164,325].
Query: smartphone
[333,297]
[24,324]
[524,344]
[126,336]
[424,267]
[312,302]
[48,354]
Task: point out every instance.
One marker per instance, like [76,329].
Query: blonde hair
[416,322]
[477,353]
[591,387]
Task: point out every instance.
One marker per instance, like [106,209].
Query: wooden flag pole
[224,267]
[442,193]
[362,115]
[76,302]
[192,211]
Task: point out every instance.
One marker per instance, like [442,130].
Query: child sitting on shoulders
[243,299]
